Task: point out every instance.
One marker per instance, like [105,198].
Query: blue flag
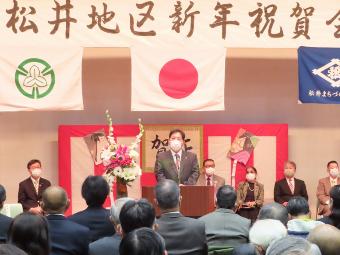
[319,75]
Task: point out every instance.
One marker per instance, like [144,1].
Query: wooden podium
[196,200]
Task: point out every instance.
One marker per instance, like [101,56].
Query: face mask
[250,176]
[210,170]
[36,172]
[334,172]
[175,145]
[289,173]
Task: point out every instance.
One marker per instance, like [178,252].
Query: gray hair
[274,211]
[292,245]
[167,194]
[264,232]
[116,208]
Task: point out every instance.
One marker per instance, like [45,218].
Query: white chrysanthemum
[133,154]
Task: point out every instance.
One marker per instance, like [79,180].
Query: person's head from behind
[34,168]
[2,196]
[298,207]
[327,238]
[29,232]
[95,190]
[168,196]
[226,197]
[274,211]
[264,232]
[334,193]
[137,214]
[142,241]
[54,200]
[292,245]
[10,249]
[176,140]
[115,211]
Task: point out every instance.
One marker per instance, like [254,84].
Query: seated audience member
[142,241]
[31,189]
[110,244]
[274,211]
[4,220]
[290,186]
[324,187]
[208,176]
[327,238]
[29,232]
[264,232]
[9,249]
[224,226]
[300,223]
[95,190]
[250,195]
[182,235]
[67,237]
[334,217]
[136,214]
[245,249]
[293,245]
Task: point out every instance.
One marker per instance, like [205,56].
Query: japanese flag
[40,78]
[185,79]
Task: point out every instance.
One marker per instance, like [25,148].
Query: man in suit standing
[182,235]
[67,237]
[290,186]
[95,190]
[208,176]
[324,187]
[177,164]
[4,220]
[224,226]
[31,189]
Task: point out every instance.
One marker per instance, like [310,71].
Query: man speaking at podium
[177,164]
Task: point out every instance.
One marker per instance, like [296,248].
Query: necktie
[291,186]
[333,182]
[36,186]
[208,181]
[178,161]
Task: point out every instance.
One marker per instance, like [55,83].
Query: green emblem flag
[41,78]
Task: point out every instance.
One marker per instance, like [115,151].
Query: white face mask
[334,172]
[36,172]
[250,176]
[210,171]
[289,173]
[175,145]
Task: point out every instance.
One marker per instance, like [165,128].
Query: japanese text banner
[319,75]
[122,23]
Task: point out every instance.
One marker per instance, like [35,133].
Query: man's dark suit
[97,219]
[224,227]
[67,237]
[282,191]
[108,245]
[165,168]
[4,226]
[27,196]
[182,235]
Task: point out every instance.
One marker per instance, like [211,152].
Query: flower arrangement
[120,161]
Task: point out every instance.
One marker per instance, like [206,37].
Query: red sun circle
[178,78]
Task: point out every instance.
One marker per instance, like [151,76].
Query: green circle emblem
[34,78]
